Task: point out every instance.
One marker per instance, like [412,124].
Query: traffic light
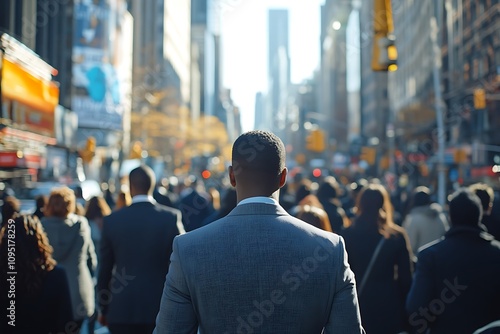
[316,172]
[368,154]
[385,163]
[88,153]
[315,141]
[424,170]
[460,156]
[479,99]
[385,54]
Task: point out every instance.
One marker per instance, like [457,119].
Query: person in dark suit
[163,194]
[194,205]
[328,192]
[487,196]
[258,269]
[41,202]
[389,280]
[455,288]
[136,244]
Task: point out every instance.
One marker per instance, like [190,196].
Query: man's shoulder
[450,242]
[289,226]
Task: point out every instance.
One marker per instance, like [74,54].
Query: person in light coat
[426,221]
[69,235]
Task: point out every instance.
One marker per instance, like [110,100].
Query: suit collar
[258,209]
[259,199]
[143,199]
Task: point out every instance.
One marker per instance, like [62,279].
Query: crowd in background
[62,237]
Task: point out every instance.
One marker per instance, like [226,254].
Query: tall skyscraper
[278,67]
[333,111]
[162,50]
[162,76]
[205,44]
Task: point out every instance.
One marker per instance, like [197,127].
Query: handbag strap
[370,265]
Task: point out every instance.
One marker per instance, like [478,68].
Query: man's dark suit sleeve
[107,261]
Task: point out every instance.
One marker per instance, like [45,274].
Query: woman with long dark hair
[380,257]
[33,285]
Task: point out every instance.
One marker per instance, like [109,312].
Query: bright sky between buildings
[245,39]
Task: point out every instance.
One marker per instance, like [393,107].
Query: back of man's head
[465,208]
[421,196]
[485,194]
[258,156]
[142,181]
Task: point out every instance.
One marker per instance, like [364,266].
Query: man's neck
[241,195]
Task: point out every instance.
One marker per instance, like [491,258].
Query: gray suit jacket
[259,270]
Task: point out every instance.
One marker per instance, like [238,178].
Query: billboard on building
[101,63]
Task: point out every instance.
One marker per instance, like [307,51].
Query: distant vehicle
[43,188]
[90,188]
[28,206]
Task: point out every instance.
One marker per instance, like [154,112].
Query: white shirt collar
[260,200]
[143,198]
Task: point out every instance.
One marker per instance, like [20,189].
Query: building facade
[162,85]
[467,46]
[471,62]
[38,134]
[333,114]
[205,56]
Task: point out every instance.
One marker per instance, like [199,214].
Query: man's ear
[283,175]
[232,179]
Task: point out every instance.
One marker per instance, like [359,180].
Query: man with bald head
[136,246]
[259,270]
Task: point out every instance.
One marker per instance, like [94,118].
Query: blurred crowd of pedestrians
[242,262]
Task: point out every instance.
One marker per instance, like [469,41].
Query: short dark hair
[485,194]
[142,179]
[421,197]
[465,208]
[259,153]
[328,189]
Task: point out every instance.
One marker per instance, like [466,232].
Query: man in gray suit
[136,246]
[259,270]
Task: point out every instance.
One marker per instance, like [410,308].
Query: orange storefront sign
[19,85]
[34,99]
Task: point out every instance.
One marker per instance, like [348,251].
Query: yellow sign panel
[19,85]
[479,99]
